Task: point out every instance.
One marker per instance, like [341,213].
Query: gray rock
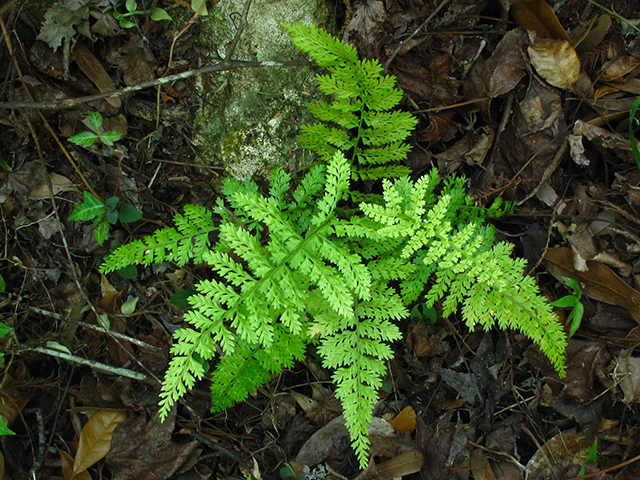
[251,116]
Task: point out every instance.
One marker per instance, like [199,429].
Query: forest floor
[526,111]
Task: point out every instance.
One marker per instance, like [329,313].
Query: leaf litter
[535,111]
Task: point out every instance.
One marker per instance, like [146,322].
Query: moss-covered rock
[251,116]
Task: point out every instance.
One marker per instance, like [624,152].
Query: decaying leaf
[143,449]
[556,61]
[59,22]
[95,438]
[568,451]
[627,373]
[404,464]
[59,184]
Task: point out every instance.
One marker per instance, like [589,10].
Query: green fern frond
[188,243]
[363,99]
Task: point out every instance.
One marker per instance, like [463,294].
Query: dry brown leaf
[594,33]
[627,373]
[599,282]
[538,16]
[480,466]
[66,463]
[618,68]
[405,421]
[95,438]
[59,184]
[406,463]
[92,68]
[556,61]
[12,402]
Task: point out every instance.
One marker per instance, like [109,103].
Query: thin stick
[218,67]
[83,361]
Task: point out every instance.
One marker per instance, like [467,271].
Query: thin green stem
[616,15]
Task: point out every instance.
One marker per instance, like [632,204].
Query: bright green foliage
[103,214]
[291,268]
[362,103]
[188,243]
[86,139]
[572,301]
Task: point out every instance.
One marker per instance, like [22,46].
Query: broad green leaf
[181,299]
[87,210]
[95,119]
[112,203]
[129,306]
[4,429]
[84,139]
[575,318]
[129,272]
[129,213]
[131,6]
[575,286]
[3,285]
[112,217]
[4,330]
[126,24]
[199,6]
[109,138]
[160,14]
[101,231]
[566,302]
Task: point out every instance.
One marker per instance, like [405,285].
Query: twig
[218,67]
[38,457]
[83,361]
[121,336]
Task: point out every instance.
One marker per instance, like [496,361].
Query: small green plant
[4,429]
[131,7]
[573,302]
[303,265]
[592,456]
[101,212]
[86,139]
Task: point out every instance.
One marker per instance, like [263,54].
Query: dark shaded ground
[488,405]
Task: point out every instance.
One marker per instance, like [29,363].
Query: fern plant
[289,269]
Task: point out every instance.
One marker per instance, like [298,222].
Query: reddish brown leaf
[93,69]
[405,421]
[538,16]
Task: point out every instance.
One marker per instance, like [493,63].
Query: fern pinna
[291,271]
